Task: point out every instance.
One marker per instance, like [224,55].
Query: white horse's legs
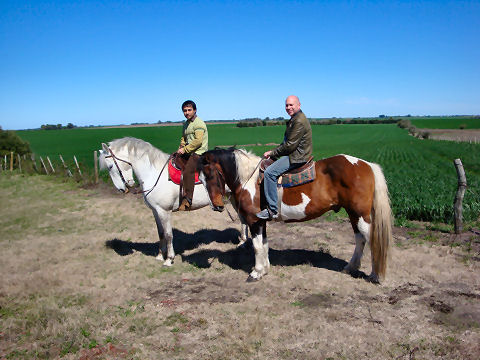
[260,245]
[360,240]
[165,235]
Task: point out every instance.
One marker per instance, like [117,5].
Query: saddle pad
[175,174]
[300,178]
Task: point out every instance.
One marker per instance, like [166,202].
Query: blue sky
[119,62]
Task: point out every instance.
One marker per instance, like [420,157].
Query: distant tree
[10,141]
[70,126]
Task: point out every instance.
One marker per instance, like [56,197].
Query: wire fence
[32,164]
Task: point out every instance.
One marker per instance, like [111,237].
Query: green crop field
[420,173]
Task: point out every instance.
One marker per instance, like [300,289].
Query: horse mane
[246,164]
[138,148]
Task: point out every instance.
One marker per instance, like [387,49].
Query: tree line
[57,127]
[253,122]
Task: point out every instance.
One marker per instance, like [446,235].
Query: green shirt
[195,136]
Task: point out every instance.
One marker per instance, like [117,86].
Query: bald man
[294,151]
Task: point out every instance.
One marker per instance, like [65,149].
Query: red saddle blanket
[175,174]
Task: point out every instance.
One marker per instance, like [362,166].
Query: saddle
[176,164]
[294,177]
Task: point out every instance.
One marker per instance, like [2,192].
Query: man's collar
[298,112]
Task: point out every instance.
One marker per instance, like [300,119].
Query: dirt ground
[82,282]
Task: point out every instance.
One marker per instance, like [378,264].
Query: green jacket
[297,141]
[194,136]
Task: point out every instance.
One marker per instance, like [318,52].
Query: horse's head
[212,176]
[119,168]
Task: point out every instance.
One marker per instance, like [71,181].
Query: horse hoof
[252,279]
[160,258]
[373,279]
[168,263]
[241,244]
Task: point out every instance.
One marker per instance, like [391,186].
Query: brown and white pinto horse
[341,181]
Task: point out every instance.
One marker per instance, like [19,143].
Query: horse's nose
[219,208]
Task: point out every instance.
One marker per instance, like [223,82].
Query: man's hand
[181,150]
[266,154]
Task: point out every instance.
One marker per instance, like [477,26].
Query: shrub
[10,141]
[425,134]
[404,124]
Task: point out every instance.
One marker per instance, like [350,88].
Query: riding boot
[185,205]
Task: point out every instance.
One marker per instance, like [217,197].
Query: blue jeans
[271,176]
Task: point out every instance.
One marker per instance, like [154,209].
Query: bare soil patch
[455,134]
[84,283]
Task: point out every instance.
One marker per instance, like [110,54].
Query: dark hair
[189,103]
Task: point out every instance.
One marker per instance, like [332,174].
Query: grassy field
[420,173]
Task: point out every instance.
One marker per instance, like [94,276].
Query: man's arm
[291,143]
[196,142]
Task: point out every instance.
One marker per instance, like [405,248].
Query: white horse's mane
[246,163]
[138,148]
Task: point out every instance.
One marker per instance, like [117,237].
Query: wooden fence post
[51,166]
[76,163]
[19,162]
[69,173]
[32,157]
[41,160]
[11,160]
[457,207]
[95,166]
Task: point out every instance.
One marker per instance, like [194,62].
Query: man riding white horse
[293,152]
[194,142]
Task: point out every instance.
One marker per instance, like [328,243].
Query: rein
[243,186]
[115,158]
[156,182]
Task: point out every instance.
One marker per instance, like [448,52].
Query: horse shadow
[181,242]
[239,258]
[242,258]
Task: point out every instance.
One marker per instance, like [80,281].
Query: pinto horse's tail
[381,229]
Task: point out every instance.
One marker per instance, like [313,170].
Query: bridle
[241,188]
[145,192]
[115,158]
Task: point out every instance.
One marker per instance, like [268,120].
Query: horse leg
[164,228]
[361,230]
[244,231]
[260,246]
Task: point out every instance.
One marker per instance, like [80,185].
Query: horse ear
[105,147]
[205,158]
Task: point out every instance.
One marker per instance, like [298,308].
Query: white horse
[123,157]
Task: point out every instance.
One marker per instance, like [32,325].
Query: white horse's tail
[381,229]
